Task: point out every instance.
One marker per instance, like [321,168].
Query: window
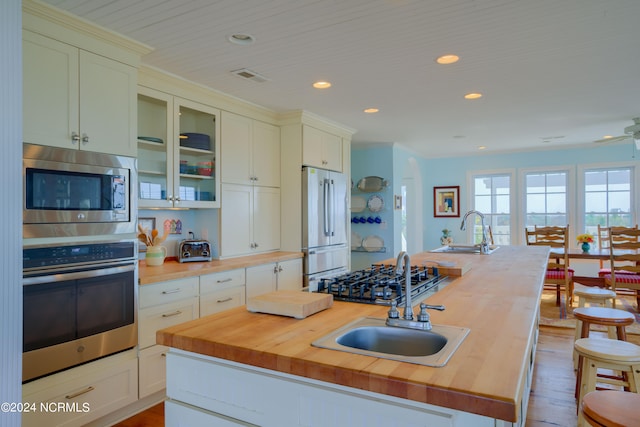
[608,198]
[546,200]
[492,197]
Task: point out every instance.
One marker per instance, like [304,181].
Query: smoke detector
[245,73]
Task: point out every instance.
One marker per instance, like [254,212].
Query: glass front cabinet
[177,144]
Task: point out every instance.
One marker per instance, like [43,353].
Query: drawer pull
[225,300]
[172,291]
[79,393]
[224,280]
[175,313]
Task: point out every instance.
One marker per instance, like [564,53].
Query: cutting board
[298,304]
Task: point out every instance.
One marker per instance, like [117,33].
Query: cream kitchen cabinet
[222,291]
[161,305]
[88,392]
[249,220]
[321,149]
[265,278]
[174,171]
[73,98]
[251,151]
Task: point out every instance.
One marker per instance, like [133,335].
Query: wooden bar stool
[604,353]
[594,296]
[614,319]
[610,408]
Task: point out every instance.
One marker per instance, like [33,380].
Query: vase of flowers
[585,240]
[446,238]
[155,253]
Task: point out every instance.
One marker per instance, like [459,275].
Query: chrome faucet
[423,322]
[484,246]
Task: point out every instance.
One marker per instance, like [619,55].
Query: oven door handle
[78,274]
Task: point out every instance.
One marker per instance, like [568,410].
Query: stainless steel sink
[371,337]
[464,249]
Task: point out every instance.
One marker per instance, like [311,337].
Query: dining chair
[624,244]
[603,243]
[558,272]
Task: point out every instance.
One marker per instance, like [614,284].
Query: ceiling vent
[250,75]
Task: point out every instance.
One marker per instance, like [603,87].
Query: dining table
[593,254]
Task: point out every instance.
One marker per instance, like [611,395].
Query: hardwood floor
[551,402]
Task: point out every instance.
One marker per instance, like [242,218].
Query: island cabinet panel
[226,393]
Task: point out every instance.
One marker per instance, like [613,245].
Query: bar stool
[593,296]
[604,353]
[610,408]
[614,319]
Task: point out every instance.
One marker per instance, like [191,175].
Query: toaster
[194,250]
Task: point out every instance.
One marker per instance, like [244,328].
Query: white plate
[375,203]
[358,204]
[373,243]
[356,240]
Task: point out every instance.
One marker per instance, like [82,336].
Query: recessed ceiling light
[322,85]
[241,39]
[481,147]
[607,137]
[473,95]
[447,59]
[371,110]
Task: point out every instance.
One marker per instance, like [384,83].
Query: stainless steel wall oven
[79,304]
[77,193]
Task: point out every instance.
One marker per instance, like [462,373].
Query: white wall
[10,214]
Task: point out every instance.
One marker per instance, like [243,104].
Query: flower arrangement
[584,238]
[150,238]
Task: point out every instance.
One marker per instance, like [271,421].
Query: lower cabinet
[177,414]
[152,370]
[80,395]
[222,291]
[283,275]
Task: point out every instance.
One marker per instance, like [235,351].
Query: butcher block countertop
[497,299]
[172,269]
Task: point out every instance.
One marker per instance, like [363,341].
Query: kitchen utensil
[373,243]
[375,203]
[371,184]
[358,204]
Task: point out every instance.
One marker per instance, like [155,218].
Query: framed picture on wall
[446,201]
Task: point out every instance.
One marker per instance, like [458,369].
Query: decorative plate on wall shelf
[375,203]
[373,243]
[356,240]
[358,204]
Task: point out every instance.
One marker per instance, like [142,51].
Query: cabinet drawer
[217,281]
[221,300]
[152,363]
[160,317]
[92,391]
[165,292]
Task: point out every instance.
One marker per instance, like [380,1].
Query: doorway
[411,217]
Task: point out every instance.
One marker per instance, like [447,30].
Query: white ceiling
[554,73]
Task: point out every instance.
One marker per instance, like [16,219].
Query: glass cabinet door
[196,183]
[155,148]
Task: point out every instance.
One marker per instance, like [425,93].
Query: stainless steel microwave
[76,193]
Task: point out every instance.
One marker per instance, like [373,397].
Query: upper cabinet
[321,149]
[73,98]
[251,151]
[177,144]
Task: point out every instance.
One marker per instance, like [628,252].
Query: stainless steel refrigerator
[324,225]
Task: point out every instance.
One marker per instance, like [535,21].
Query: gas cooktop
[381,284]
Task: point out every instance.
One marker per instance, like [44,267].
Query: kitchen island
[243,368]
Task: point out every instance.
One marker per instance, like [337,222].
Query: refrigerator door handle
[332,213]
[325,207]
